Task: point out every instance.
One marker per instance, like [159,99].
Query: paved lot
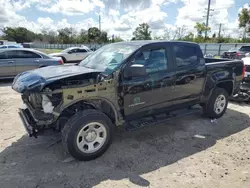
[185,152]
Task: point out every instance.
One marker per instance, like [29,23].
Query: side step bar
[157,119]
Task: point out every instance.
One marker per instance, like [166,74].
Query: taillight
[61,62]
[243,72]
[237,54]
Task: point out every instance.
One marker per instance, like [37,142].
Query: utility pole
[100,22]
[219,30]
[208,12]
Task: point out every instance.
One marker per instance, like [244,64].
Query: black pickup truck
[120,84]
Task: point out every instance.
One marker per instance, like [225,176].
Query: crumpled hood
[35,80]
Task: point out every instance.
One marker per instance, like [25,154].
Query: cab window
[154,60]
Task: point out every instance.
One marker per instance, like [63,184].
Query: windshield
[109,57]
[67,50]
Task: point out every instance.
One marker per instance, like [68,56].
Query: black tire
[64,60]
[208,108]
[74,126]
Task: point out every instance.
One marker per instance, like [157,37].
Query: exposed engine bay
[51,107]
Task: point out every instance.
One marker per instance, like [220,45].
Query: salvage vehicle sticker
[136,102]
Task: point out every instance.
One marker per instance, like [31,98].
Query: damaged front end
[50,101]
[42,93]
[38,112]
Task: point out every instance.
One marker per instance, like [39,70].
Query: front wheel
[87,134]
[217,104]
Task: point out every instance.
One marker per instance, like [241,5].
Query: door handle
[10,62]
[37,61]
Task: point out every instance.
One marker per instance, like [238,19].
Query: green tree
[142,32]
[94,34]
[47,37]
[201,28]
[118,39]
[103,37]
[244,21]
[19,34]
[64,35]
[188,37]
[83,37]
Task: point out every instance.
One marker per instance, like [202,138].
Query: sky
[121,17]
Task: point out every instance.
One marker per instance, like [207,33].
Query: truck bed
[224,70]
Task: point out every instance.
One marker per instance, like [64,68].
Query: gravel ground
[185,152]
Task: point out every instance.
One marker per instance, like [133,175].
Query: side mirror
[135,70]
[70,52]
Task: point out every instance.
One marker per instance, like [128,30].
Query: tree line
[66,35]
[142,32]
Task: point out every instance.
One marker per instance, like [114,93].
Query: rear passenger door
[7,66]
[190,73]
[24,60]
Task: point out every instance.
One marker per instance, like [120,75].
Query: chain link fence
[207,48]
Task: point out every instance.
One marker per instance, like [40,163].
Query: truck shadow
[37,163]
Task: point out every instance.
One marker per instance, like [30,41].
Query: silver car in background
[16,60]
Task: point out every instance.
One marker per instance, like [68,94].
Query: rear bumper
[28,124]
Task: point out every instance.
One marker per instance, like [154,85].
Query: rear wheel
[87,134]
[217,104]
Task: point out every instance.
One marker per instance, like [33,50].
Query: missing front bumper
[28,124]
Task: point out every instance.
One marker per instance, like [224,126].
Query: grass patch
[49,51]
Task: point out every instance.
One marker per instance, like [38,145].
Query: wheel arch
[100,103]
[63,58]
[227,85]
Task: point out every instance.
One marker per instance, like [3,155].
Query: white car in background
[73,54]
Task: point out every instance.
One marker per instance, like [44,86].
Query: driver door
[153,93]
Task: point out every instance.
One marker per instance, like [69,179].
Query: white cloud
[71,7]
[119,17]
[195,11]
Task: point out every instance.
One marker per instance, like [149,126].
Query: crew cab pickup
[120,84]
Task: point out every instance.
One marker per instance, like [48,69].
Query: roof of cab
[146,42]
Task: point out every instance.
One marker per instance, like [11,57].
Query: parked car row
[16,60]
[235,53]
